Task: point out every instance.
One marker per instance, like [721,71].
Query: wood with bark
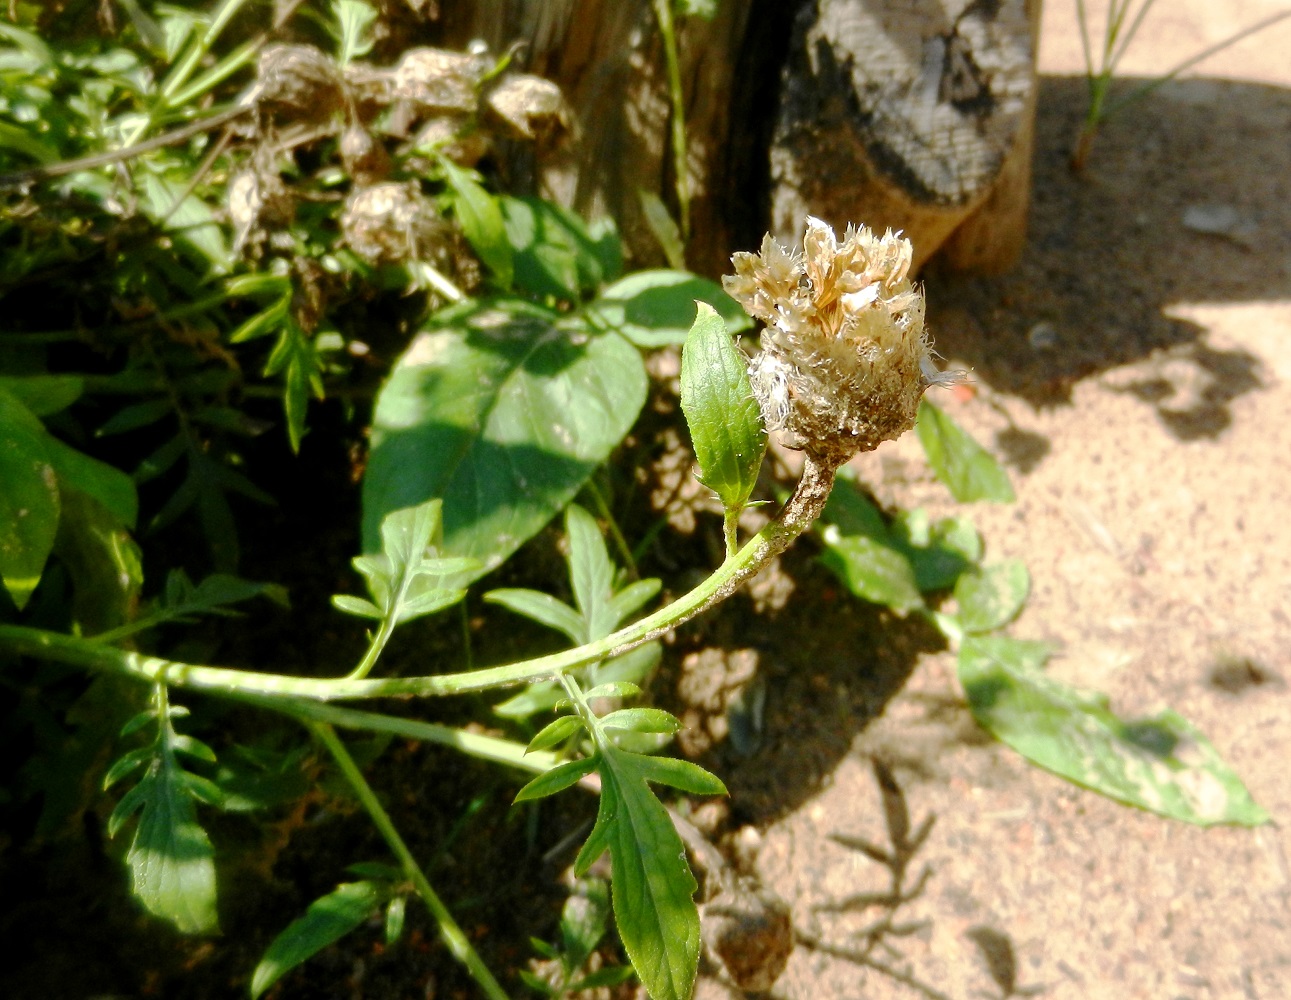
[909,114]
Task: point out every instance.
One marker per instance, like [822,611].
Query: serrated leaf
[29,499]
[556,780]
[171,861]
[502,416]
[542,608]
[1162,764]
[591,574]
[991,596]
[481,221]
[642,720]
[657,308]
[326,920]
[871,570]
[965,467]
[725,422]
[651,883]
[555,733]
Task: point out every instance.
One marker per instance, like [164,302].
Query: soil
[1133,372]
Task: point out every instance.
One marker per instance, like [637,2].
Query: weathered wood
[913,114]
[906,114]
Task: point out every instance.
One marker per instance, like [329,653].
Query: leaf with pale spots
[1162,764]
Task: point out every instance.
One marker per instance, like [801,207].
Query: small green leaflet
[967,469]
[481,220]
[405,580]
[1162,764]
[725,422]
[327,919]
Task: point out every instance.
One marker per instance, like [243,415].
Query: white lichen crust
[845,358]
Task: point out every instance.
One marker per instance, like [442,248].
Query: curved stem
[803,507]
[452,935]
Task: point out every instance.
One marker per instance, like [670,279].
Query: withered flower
[845,358]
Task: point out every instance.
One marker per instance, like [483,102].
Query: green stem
[490,748]
[451,934]
[663,12]
[803,507]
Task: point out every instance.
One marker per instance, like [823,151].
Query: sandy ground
[1134,372]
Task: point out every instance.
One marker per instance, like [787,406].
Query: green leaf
[29,499]
[354,27]
[44,394]
[664,227]
[992,596]
[650,882]
[656,308]
[591,574]
[966,468]
[395,913]
[555,733]
[631,598]
[557,779]
[642,720]
[327,919]
[583,920]
[190,219]
[554,253]
[939,552]
[1162,764]
[110,487]
[171,861]
[135,416]
[852,512]
[542,608]
[481,221]
[405,579]
[614,689]
[725,422]
[681,775]
[504,417]
[871,570]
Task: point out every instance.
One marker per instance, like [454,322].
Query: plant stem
[667,28]
[452,935]
[804,506]
[491,748]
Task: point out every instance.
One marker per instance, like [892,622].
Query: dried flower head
[844,359]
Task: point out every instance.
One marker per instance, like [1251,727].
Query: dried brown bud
[845,358]
[390,223]
[529,107]
[298,84]
[438,81]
